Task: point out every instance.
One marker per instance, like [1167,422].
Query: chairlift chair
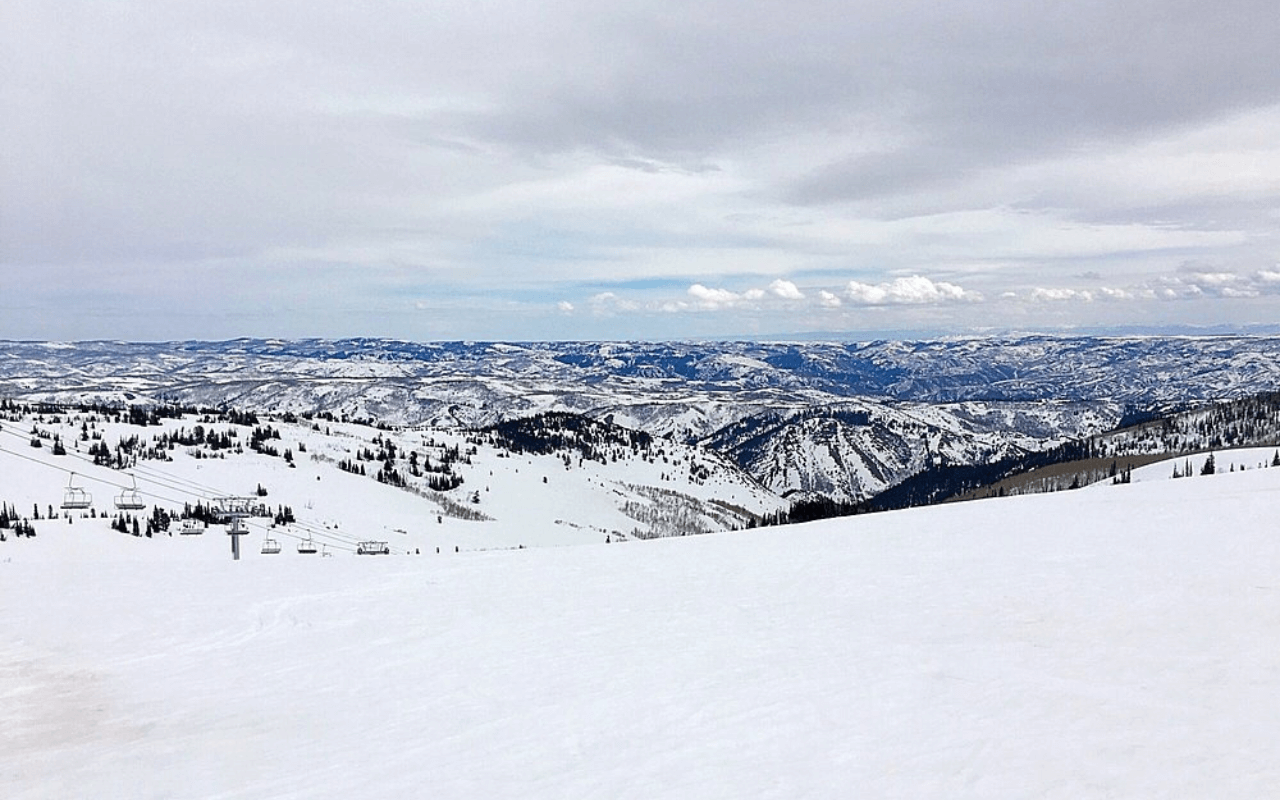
[307,546]
[129,499]
[270,546]
[191,527]
[75,498]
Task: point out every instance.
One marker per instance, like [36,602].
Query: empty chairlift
[270,546]
[129,499]
[75,498]
[307,546]
[191,527]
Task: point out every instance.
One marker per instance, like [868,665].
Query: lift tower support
[235,510]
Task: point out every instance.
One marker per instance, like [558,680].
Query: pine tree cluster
[10,521]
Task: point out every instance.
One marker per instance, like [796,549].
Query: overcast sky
[585,169]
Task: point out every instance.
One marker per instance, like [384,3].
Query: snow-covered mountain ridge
[859,448]
[842,420]
[479,383]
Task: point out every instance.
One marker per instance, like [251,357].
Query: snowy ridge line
[985,368]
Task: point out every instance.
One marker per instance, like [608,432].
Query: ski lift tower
[235,510]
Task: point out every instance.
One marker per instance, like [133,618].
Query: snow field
[1112,642]
[1246,458]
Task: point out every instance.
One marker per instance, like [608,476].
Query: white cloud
[1108,293]
[1233,292]
[1189,283]
[709,299]
[608,303]
[867,294]
[1057,295]
[705,298]
[782,299]
[916,290]
[1192,283]
[786,290]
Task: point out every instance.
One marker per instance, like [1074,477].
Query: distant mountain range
[840,420]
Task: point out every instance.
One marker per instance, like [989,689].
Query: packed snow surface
[1115,642]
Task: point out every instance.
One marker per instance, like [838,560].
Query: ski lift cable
[151,475]
[185,486]
[106,482]
[176,483]
[73,472]
[310,528]
[72,455]
[338,540]
[70,472]
[166,481]
[200,489]
[173,482]
[313,529]
[155,476]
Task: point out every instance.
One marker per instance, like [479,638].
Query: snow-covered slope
[1112,642]
[504,497]
[1191,467]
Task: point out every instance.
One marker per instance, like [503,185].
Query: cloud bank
[588,168]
